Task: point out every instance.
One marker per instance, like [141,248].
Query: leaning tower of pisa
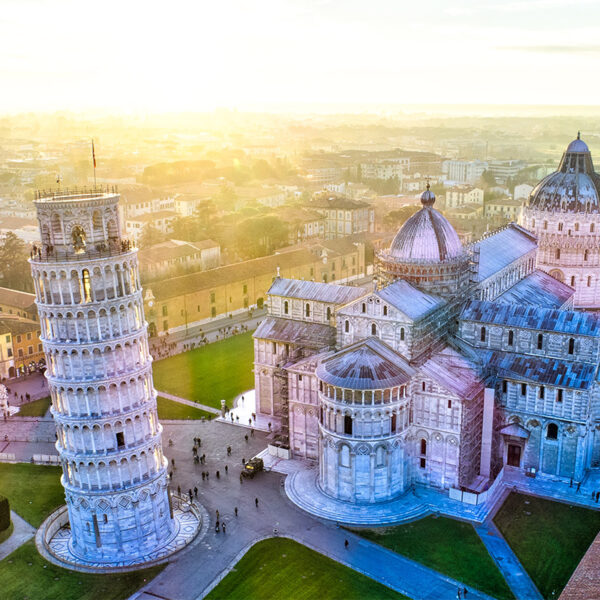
[99,370]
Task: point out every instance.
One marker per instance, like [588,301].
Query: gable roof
[409,300]
[313,335]
[538,289]
[23,300]
[501,248]
[313,290]
[532,317]
[366,365]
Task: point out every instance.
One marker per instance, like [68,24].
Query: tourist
[195,491]
[224,527]
[578,490]
[173,463]
[218,475]
[458,593]
[346,544]
[235,511]
[196,460]
[241,478]
[465,591]
[217,513]
[246,438]
[191,495]
[243,461]
[228,450]
[249,421]
[202,475]
[252,433]
[226,469]
[217,527]
[256,502]
[179,490]
[269,425]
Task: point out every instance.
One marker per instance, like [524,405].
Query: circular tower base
[53,540]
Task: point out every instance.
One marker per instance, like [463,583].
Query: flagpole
[94,162]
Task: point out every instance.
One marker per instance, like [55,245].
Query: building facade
[91,311]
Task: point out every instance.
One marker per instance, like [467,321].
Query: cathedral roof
[366,365]
[408,299]
[538,289]
[315,291]
[573,188]
[427,236]
[313,335]
[532,317]
[500,248]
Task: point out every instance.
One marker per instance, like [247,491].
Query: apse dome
[427,236]
[573,188]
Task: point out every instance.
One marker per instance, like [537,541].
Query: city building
[303,224]
[563,211]
[461,195]
[179,303]
[99,373]
[15,302]
[344,216]
[522,191]
[461,361]
[389,168]
[503,170]
[506,207]
[464,171]
[22,351]
[161,220]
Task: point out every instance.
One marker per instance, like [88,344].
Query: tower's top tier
[79,224]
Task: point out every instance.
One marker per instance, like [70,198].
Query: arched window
[364,307]
[86,286]
[482,334]
[557,254]
[572,280]
[576,226]
[545,224]
[385,311]
[348,425]
[423,447]
[347,326]
[380,457]
[373,329]
[591,228]
[286,307]
[586,254]
[328,313]
[511,336]
[560,226]
[571,346]
[540,341]
[307,310]
[589,281]
[552,431]
[423,386]
[402,333]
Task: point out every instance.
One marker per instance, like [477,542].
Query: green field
[37,408]
[208,374]
[34,491]
[169,409]
[549,538]
[281,569]
[448,546]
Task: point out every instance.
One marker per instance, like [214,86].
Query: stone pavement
[35,385]
[181,400]
[22,532]
[242,411]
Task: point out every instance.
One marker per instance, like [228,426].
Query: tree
[487,180]
[14,269]
[260,236]
[397,218]
[150,236]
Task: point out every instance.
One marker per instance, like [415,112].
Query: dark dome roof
[574,188]
[427,236]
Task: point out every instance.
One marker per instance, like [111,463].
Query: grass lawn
[208,374]
[37,408]
[549,538]
[168,409]
[25,574]
[448,546]
[282,569]
[34,491]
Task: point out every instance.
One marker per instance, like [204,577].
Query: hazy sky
[196,55]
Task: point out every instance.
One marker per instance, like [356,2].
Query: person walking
[226,469]
[217,527]
[202,475]
[578,490]
[252,433]
[346,544]
[179,490]
[246,438]
[217,513]
[218,475]
[256,502]
[241,478]
[465,592]
[243,461]
[228,450]
[195,492]
[224,528]
[191,495]
[235,511]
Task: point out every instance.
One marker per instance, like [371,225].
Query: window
[299,377]
[423,446]
[120,439]
[244,289]
[511,336]
[540,341]
[274,347]
[557,253]
[348,425]
[105,518]
[542,392]
[364,307]
[165,325]
[589,281]
[504,386]
[29,336]
[165,310]
[213,311]
[393,424]
[21,352]
[422,463]
[328,313]
[591,228]
[286,308]
[18,339]
[212,297]
[307,310]
[373,329]
[586,254]
[347,326]
[345,456]
[545,224]
[449,403]
[559,395]
[482,334]
[576,226]
[380,457]
[523,389]
[552,431]
[423,386]
[30,350]
[560,226]
[572,280]
[571,346]
[385,311]
[9,352]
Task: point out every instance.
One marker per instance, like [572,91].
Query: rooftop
[337,202]
[315,291]
[532,317]
[409,300]
[538,289]
[312,335]
[16,325]
[23,300]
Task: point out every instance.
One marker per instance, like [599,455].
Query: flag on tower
[93,154]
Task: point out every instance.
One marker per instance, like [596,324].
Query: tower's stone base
[54,536]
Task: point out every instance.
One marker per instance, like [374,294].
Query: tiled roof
[313,290]
[16,325]
[501,248]
[337,202]
[537,289]
[543,371]
[412,302]
[366,365]
[313,335]
[16,298]
[532,317]
[455,373]
[585,581]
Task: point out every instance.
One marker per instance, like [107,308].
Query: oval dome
[574,187]
[427,236]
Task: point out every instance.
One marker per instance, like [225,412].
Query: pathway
[181,400]
[22,532]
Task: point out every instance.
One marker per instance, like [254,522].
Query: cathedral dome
[427,236]
[573,188]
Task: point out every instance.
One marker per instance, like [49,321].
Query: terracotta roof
[16,298]
[16,325]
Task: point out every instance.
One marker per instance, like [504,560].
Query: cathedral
[459,361]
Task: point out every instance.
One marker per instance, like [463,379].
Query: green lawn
[168,409]
[34,491]
[37,408]
[448,546]
[208,374]
[549,538]
[281,569]
[25,574]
